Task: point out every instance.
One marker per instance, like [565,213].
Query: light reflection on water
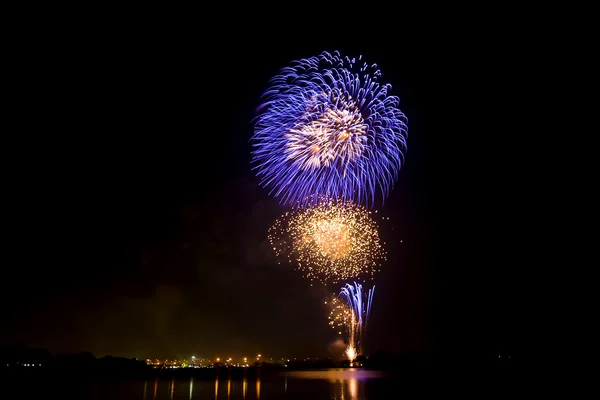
[333,384]
[345,374]
[341,384]
[345,384]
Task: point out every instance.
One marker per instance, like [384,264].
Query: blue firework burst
[329,129]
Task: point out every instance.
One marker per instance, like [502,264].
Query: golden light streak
[353,386]
[351,353]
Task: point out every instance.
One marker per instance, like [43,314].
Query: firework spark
[329,242]
[339,314]
[351,353]
[329,128]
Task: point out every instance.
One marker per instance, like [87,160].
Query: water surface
[333,384]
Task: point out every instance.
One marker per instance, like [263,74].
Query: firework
[339,314]
[359,305]
[351,353]
[329,242]
[328,127]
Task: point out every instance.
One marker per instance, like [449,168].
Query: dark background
[134,227]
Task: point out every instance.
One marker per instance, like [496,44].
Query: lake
[333,384]
[330,384]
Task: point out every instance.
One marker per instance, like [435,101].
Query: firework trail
[329,128]
[359,306]
[329,242]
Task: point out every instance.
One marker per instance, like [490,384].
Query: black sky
[135,227]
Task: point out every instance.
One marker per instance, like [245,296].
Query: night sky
[135,227]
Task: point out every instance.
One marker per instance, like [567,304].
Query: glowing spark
[351,353]
[340,314]
[330,242]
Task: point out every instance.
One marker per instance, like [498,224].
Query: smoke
[336,350]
